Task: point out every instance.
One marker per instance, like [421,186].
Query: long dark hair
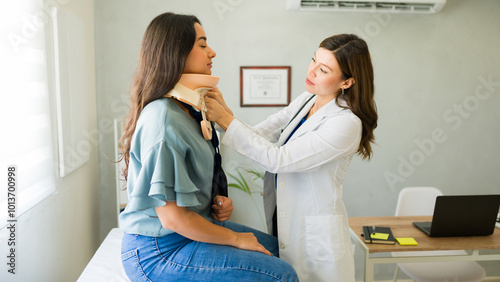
[353,57]
[167,42]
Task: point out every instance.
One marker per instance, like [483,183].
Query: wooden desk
[402,226]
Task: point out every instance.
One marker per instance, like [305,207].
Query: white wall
[428,69]
[57,238]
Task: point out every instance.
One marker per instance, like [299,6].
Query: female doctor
[306,149]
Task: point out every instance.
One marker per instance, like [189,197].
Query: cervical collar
[191,89]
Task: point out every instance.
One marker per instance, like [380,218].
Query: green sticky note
[407,241]
[380,236]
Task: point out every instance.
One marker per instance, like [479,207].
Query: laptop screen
[464,215]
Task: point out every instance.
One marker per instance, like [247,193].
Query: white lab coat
[313,229]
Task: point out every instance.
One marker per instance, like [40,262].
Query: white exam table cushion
[106,264]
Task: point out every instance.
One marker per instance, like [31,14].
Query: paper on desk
[407,241]
[380,236]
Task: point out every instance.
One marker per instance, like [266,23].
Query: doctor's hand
[223,208]
[217,96]
[216,112]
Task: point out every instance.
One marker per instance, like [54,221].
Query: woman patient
[174,229]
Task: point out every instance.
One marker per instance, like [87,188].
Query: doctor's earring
[342,91]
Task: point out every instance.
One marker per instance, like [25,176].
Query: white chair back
[415,201]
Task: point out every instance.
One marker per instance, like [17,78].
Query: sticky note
[407,241]
[380,236]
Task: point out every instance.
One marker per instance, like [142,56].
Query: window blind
[25,112]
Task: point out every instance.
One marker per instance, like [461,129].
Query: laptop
[462,215]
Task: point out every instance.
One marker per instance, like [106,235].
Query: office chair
[415,201]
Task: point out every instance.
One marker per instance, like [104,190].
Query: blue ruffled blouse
[169,161]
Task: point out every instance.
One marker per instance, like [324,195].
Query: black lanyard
[219,180]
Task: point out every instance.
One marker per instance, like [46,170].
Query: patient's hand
[223,208]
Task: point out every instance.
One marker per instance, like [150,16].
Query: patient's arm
[193,226]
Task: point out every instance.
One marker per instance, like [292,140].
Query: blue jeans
[177,258]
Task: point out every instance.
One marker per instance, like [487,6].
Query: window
[25,117]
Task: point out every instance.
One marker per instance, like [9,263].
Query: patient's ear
[348,83]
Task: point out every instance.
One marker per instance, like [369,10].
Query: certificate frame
[265,86]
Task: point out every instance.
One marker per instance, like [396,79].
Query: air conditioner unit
[385,6]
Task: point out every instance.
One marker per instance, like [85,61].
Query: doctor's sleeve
[335,138]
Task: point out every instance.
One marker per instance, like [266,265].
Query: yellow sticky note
[381,236]
[407,241]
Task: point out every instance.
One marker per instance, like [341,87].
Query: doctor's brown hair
[166,43]
[353,57]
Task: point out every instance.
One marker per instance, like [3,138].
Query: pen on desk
[373,229]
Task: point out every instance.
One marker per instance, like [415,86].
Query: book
[382,235]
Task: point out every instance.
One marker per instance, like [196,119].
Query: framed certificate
[265,86]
